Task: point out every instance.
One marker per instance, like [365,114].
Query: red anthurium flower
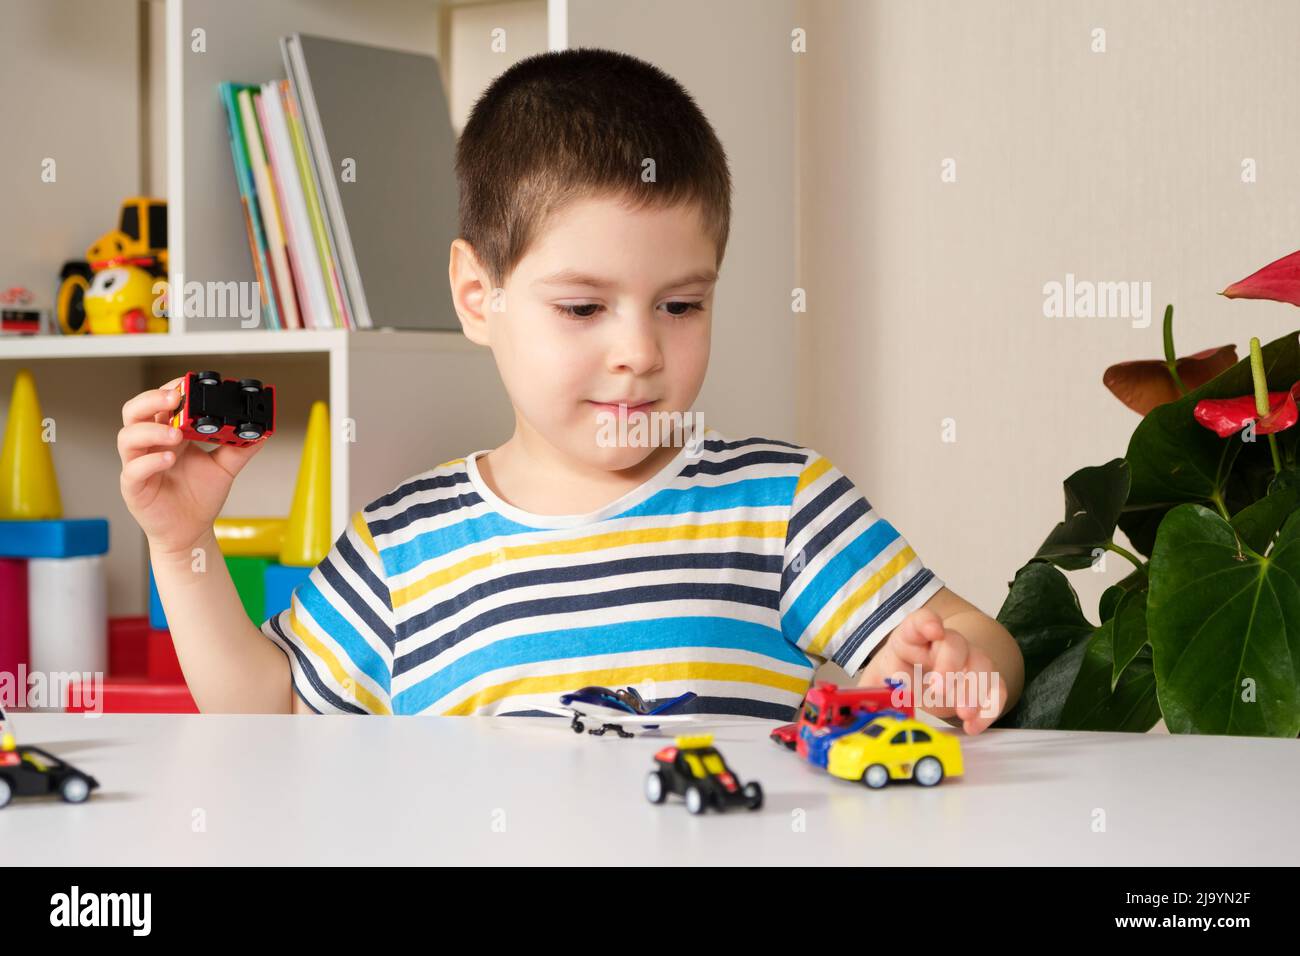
[1145,384]
[1279,281]
[1227,416]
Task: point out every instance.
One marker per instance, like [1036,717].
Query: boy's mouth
[615,406]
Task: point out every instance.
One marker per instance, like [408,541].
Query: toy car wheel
[207,425]
[875,776]
[70,307]
[250,385]
[248,431]
[209,378]
[654,787]
[695,800]
[755,794]
[928,771]
[74,789]
[6,791]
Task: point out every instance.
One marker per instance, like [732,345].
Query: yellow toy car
[890,748]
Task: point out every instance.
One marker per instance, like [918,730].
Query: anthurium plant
[1204,632]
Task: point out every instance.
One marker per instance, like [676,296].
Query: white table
[364,791]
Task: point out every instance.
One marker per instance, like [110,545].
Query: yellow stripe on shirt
[858,598]
[627,676]
[363,532]
[811,474]
[598,542]
[366,699]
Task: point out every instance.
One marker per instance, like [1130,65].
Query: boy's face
[609,305]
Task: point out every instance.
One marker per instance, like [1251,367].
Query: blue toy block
[157,618]
[54,538]
[280,582]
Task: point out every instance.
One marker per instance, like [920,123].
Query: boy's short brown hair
[580,123]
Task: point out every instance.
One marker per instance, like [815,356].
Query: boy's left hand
[969,687]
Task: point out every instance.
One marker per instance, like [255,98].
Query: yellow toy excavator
[111,291]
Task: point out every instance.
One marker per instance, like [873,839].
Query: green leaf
[1257,524]
[1174,460]
[1225,626]
[1044,697]
[1094,497]
[1130,632]
[1091,704]
[1140,525]
[1109,603]
[1042,613]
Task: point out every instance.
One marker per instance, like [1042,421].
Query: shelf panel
[248,342]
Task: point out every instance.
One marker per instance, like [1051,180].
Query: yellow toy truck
[111,291]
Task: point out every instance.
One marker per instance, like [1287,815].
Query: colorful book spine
[269,204]
[331,271]
[284,177]
[313,304]
[248,197]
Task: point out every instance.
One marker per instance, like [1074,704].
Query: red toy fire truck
[829,711]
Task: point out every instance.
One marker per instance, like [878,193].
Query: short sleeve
[848,577]
[338,631]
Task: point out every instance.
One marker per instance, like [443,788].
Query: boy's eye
[588,310]
[572,311]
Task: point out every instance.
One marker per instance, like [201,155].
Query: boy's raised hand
[958,679]
[173,489]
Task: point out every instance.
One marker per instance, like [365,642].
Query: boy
[594,213]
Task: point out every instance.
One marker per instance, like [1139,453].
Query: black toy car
[229,411]
[30,771]
[693,768]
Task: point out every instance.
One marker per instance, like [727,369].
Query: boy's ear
[469,291]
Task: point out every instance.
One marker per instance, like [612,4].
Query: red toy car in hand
[229,411]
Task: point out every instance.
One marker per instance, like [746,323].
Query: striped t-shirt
[732,573]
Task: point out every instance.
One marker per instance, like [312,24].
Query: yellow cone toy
[29,489]
[307,537]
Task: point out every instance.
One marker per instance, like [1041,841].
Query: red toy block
[163,664]
[15,644]
[128,646]
[136,695]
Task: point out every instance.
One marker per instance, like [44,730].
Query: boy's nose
[636,347]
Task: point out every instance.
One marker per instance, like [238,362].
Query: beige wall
[926,298]
[729,56]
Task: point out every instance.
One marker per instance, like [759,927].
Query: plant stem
[1171,357]
[1261,397]
[1120,550]
[1218,503]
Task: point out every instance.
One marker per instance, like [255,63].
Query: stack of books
[346,171]
[293,242]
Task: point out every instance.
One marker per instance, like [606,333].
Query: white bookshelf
[113,74]
[412,399]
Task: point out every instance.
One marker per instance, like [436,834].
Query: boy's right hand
[173,489]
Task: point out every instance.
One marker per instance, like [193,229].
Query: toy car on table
[27,771]
[829,711]
[228,411]
[890,748]
[693,768]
